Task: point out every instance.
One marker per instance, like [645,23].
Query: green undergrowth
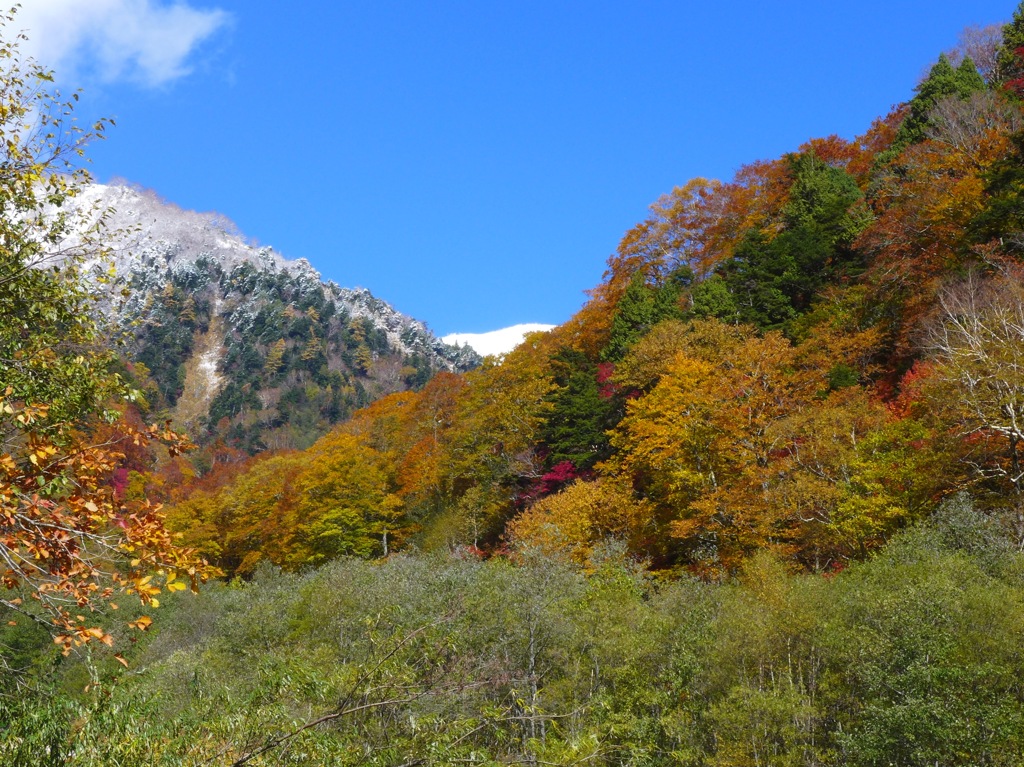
[911,658]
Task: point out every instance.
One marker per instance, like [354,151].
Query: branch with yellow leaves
[69,545]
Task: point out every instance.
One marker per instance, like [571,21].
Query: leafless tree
[978,346]
[981,44]
[967,125]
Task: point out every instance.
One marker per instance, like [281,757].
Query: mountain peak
[239,343]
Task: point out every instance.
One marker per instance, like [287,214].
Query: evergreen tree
[969,79]
[575,429]
[773,281]
[642,307]
[760,277]
[635,314]
[825,199]
[1002,217]
[712,298]
[942,82]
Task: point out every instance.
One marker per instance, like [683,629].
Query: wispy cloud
[148,42]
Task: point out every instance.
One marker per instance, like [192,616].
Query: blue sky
[473,163]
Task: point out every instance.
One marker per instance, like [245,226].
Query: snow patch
[208,368]
[202,381]
[211,354]
[496,342]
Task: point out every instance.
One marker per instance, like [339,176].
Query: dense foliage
[758,503]
[68,542]
[774,363]
[912,658]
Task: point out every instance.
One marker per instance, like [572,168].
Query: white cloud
[148,42]
[496,342]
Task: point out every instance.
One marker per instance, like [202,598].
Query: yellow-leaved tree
[67,542]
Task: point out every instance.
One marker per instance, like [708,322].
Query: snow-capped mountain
[151,238]
[237,342]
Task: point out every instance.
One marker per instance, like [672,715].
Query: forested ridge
[759,502]
[244,349]
[805,360]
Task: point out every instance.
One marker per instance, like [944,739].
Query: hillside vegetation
[803,360]
[759,502]
[912,659]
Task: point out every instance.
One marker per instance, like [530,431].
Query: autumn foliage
[69,541]
[784,361]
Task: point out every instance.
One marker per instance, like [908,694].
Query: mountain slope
[240,344]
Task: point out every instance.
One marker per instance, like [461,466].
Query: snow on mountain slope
[150,238]
[238,343]
[496,342]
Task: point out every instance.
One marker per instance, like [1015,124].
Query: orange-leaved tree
[67,543]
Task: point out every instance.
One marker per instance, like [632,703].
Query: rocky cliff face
[236,342]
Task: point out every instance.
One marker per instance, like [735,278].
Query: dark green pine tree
[969,79]
[760,277]
[712,298]
[942,82]
[1002,217]
[825,199]
[642,307]
[575,429]
[773,281]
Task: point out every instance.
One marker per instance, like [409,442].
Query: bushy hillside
[912,659]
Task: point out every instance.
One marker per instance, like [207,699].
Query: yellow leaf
[121,660]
